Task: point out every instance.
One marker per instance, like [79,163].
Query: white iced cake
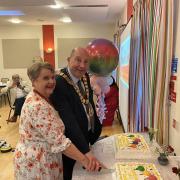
[131,146]
[136,171]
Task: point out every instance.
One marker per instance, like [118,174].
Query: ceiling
[38,12]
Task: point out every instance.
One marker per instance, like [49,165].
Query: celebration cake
[136,171]
[131,146]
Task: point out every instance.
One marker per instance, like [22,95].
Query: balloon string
[101,107]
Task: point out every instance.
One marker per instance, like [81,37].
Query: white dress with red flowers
[38,152]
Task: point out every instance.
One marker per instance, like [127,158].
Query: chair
[12,107]
[3,95]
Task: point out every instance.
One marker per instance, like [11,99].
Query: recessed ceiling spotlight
[15,20]
[65,20]
[57,6]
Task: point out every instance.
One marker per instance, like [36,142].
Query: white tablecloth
[104,151]
[2,85]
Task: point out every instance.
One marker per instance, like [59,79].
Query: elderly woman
[42,140]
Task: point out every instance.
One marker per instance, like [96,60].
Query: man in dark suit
[73,99]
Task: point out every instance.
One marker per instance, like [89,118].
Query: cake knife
[106,170]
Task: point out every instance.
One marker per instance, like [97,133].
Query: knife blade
[106,170]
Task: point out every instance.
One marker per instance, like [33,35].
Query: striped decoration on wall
[150,62]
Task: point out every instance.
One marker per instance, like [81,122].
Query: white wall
[61,31]
[83,31]
[175,107]
[18,32]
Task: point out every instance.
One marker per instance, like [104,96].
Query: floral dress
[38,152]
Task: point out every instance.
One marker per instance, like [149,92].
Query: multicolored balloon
[104,57]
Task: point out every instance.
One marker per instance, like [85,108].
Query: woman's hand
[85,162]
[88,160]
[94,164]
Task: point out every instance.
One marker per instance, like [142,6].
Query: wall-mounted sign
[172,96]
[174,65]
[172,93]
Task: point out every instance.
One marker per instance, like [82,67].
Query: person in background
[42,140]
[18,90]
[111,100]
[73,99]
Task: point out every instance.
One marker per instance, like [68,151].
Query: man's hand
[13,85]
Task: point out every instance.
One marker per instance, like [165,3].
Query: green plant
[151,133]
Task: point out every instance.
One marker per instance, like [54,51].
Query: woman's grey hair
[34,71]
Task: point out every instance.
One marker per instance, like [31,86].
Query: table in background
[2,85]
[104,151]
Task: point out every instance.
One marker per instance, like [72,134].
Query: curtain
[150,62]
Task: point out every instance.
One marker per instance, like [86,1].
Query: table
[104,151]
[2,85]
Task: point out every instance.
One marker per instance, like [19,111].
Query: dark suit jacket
[68,104]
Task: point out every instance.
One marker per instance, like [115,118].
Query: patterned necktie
[82,91]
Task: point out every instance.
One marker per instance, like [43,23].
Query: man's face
[78,62]
[16,79]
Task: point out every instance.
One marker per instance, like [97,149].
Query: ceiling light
[57,6]
[15,20]
[66,19]
[11,13]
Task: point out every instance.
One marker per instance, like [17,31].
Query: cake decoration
[131,145]
[136,171]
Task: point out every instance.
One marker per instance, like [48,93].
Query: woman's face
[45,83]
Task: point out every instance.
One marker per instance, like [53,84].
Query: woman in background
[42,140]
[112,101]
